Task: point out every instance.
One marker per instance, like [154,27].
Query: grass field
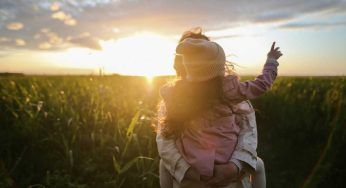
[82,131]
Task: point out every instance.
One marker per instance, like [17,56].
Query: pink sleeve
[239,91]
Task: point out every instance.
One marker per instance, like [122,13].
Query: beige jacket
[173,166]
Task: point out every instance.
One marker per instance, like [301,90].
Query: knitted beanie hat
[202,59]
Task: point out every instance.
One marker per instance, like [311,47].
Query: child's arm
[237,91]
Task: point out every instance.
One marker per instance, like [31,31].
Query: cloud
[318,25]
[15,26]
[55,6]
[86,41]
[4,40]
[66,20]
[44,46]
[20,42]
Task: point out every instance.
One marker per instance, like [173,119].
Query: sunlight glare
[149,78]
[149,54]
[145,54]
[244,46]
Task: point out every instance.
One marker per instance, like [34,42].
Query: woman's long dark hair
[187,100]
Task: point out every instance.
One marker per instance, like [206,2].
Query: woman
[174,170]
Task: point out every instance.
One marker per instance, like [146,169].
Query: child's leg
[166,180]
[259,177]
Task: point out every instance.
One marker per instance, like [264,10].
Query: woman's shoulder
[166,89]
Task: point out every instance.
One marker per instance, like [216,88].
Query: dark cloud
[86,41]
[318,25]
[66,22]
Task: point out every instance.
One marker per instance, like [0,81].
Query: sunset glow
[145,54]
[104,93]
[139,38]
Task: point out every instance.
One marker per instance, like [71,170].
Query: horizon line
[163,75]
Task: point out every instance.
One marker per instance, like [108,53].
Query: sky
[138,37]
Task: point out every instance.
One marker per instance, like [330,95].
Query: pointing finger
[273,46]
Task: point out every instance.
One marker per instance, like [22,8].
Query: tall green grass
[77,132]
[302,132]
[82,131]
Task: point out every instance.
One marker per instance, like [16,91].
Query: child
[199,110]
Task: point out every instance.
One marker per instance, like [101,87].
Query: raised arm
[245,150]
[238,91]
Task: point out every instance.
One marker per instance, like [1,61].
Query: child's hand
[191,174]
[224,174]
[274,53]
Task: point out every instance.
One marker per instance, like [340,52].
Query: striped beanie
[202,59]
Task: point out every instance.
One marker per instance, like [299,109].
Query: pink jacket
[211,139]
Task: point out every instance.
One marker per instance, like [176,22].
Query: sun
[141,54]
[146,54]
[149,78]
